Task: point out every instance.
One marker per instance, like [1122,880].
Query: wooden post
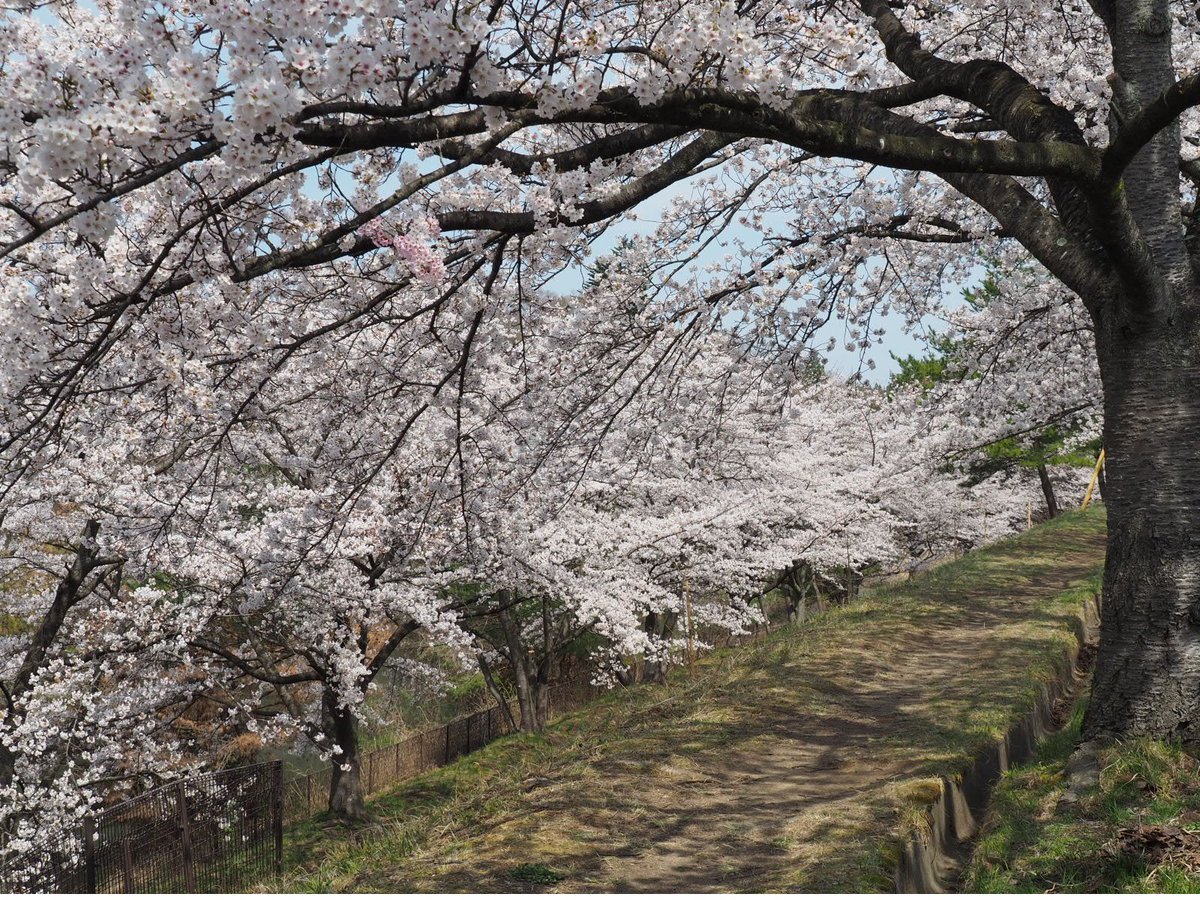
[89,854]
[185,839]
[1087,498]
[446,755]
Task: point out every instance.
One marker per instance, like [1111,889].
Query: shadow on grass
[785,765]
[1033,844]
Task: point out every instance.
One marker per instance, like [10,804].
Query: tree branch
[1152,118]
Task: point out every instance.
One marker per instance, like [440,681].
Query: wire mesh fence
[222,831]
[385,767]
[213,833]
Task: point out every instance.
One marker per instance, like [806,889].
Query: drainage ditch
[933,857]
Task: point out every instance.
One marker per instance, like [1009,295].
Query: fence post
[127,865]
[446,755]
[185,838]
[277,810]
[89,854]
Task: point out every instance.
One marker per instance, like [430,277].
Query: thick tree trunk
[532,698]
[345,784]
[1048,491]
[654,672]
[1147,679]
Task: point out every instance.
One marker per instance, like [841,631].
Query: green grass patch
[1138,831]
[794,764]
[536,873]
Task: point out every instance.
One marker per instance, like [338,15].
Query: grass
[794,764]
[1032,844]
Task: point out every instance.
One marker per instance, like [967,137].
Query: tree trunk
[66,595]
[1147,679]
[1048,491]
[528,682]
[494,689]
[532,699]
[796,588]
[345,784]
[541,703]
[854,582]
[660,625]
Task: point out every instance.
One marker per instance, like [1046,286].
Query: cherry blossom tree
[95,700]
[185,179]
[1012,382]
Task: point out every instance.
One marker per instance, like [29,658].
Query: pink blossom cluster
[421,258]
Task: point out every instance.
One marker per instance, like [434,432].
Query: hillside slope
[791,765]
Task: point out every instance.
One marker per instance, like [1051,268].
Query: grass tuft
[536,873]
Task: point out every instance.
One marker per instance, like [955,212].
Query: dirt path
[786,767]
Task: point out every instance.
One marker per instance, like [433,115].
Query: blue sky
[897,340]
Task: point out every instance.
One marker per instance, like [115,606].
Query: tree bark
[660,625]
[1048,491]
[1147,679]
[795,586]
[533,700]
[69,592]
[527,680]
[345,785]
[494,690]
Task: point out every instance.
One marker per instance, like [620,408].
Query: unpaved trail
[750,817]
[789,766]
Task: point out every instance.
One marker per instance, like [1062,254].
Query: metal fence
[221,831]
[385,767]
[213,833]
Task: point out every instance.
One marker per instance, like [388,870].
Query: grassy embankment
[794,764]
[1138,831]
